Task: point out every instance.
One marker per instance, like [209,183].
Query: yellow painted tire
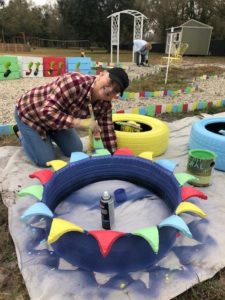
[155,139]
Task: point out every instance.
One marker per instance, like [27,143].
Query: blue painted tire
[130,252]
[205,135]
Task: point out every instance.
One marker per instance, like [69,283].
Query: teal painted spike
[75,156]
[167,164]
[33,190]
[178,223]
[36,210]
[97,144]
[183,178]
[151,235]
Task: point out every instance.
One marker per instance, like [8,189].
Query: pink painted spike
[42,175]
[105,239]
[189,191]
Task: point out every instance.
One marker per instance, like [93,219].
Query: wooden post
[168,58]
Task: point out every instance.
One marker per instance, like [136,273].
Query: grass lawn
[177,79]
[11,282]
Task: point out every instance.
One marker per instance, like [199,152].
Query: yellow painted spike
[147,155]
[60,227]
[56,164]
[190,207]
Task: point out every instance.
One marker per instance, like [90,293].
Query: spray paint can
[107,210]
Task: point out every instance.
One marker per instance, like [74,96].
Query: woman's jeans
[41,151]
[142,55]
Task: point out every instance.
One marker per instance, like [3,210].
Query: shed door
[176,40]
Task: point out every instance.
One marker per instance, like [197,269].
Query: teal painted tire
[205,135]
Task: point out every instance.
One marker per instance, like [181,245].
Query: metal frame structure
[115,29]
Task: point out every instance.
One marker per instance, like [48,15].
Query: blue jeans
[41,151]
[142,55]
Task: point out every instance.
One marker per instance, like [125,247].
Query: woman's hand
[87,123]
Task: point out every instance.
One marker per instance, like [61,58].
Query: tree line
[87,19]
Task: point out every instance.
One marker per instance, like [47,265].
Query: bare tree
[163,14]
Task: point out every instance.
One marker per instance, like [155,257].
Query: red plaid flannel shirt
[53,107]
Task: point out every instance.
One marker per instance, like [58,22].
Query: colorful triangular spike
[190,207]
[56,164]
[105,239]
[33,190]
[101,152]
[98,144]
[146,154]
[42,175]
[124,151]
[189,191]
[76,156]
[37,209]
[183,178]
[167,164]
[151,235]
[178,223]
[60,227]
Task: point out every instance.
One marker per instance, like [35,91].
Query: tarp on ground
[189,262]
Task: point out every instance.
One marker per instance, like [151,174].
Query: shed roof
[194,24]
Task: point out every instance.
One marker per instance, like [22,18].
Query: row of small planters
[189,89]
[14,67]
[150,110]
[149,94]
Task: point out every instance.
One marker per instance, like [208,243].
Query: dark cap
[119,76]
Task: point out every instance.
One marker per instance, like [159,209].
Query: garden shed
[196,34]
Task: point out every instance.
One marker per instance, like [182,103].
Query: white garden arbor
[115,29]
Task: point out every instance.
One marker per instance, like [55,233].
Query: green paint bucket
[200,164]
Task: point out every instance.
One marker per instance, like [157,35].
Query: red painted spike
[105,239]
[42,175]
[189,191]
[123,151]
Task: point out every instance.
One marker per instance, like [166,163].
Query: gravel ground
[10,91]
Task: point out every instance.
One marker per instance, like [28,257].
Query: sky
[39,2]
[42,2]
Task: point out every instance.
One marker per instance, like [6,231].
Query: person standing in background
[141,49]
[82,52]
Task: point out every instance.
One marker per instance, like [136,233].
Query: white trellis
[115,29]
